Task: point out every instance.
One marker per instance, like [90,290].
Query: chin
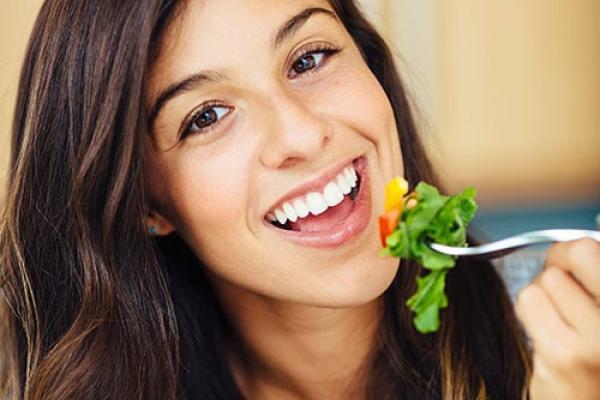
[357,285]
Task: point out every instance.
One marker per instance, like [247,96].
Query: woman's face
[259,108]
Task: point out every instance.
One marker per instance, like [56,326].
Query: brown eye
[206,118]
[310,61]
[307,62]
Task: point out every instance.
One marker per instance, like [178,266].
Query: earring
[152,230]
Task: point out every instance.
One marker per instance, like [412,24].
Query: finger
[545,384]
[582,259]
[541,320]
[574,305]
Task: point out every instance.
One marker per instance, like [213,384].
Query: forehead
[218,34]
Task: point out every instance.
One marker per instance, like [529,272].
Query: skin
[297,310]
[561,313]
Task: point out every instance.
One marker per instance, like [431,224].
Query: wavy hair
[93,308]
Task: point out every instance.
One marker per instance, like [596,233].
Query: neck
[289,351]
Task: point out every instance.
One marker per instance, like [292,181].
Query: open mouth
[322,210]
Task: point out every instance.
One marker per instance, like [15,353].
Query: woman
[155,143]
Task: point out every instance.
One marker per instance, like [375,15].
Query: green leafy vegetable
[434,218]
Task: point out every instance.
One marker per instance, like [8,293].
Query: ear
[157,224]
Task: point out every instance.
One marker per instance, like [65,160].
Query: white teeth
[353,172]
[300,208]
[316,203]
[349,177]
[281,217]
[342,184]
[332,194]
[290,212]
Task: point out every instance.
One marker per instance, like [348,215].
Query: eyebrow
[192,82]
[296,22]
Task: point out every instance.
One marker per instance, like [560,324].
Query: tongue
[330,218]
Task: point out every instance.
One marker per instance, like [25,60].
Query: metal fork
[503,247]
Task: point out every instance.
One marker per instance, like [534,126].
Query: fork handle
[505,246]
[562,235]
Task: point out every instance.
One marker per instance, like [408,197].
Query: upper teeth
[316,203]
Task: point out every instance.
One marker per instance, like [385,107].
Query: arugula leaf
[428,300]
[434,218]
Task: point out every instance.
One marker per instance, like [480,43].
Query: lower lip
[351,227]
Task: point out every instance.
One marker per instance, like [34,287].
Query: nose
[295,132]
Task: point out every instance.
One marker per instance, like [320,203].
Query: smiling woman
[192,214]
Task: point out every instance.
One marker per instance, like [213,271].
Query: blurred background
[507,94]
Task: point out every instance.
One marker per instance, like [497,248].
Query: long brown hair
[92,307]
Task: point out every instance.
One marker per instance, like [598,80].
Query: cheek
[353,96]
[357,100]
[369,108]
[209,196]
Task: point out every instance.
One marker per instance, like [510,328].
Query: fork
[506,246]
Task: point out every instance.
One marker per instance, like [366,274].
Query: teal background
[497,223]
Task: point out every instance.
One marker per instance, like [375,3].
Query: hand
[561,314]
